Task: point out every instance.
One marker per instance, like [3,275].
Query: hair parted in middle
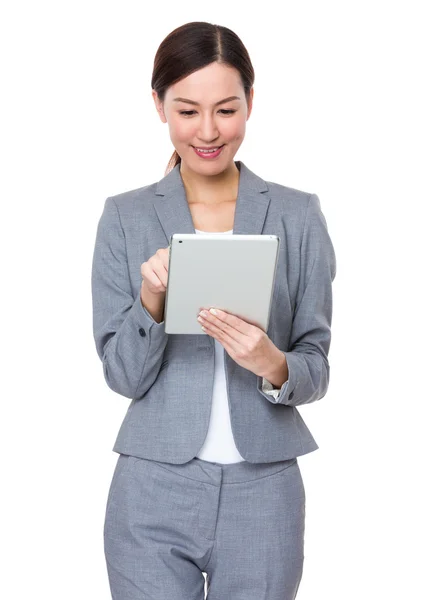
[191,47]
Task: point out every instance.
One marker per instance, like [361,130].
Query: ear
[159,106]
[250,104]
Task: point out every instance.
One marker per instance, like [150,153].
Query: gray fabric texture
[241,524]
[169,378]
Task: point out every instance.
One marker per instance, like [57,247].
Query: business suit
[168,377]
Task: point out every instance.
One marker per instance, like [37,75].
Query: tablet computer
[235,273]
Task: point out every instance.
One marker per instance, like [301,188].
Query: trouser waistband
[219,473]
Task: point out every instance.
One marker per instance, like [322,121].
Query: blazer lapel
[174,213]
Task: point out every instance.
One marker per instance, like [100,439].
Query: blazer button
[142,332]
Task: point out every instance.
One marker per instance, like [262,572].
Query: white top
[219,445]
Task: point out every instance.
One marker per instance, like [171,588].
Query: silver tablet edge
[273,279]
[169,275]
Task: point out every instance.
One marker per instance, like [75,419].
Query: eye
[188,113]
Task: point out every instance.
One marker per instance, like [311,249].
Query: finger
[235,322]
[154,280]
[232,345]
[224,323]
[160,270]
[163,255]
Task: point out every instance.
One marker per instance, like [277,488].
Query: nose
[208,130]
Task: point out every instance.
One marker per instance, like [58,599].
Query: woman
[207,479]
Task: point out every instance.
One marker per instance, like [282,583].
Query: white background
[337,112]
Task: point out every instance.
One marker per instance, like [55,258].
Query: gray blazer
[169,378]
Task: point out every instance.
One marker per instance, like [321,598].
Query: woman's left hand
[248,345]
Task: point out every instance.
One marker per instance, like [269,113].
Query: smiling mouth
[206,153]
[209,149]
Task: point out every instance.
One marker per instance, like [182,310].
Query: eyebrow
[216,103]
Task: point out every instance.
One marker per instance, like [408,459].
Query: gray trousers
[241,524]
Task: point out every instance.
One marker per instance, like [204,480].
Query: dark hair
[191,47]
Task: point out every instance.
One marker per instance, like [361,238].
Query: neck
[210,189]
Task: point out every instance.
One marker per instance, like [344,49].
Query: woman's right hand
[154,272]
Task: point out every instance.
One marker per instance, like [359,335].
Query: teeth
[206,151]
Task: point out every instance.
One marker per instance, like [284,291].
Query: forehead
[207,85]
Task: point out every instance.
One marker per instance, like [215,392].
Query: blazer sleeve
[129,342]
[310,338]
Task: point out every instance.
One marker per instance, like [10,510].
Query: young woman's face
[203,123]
